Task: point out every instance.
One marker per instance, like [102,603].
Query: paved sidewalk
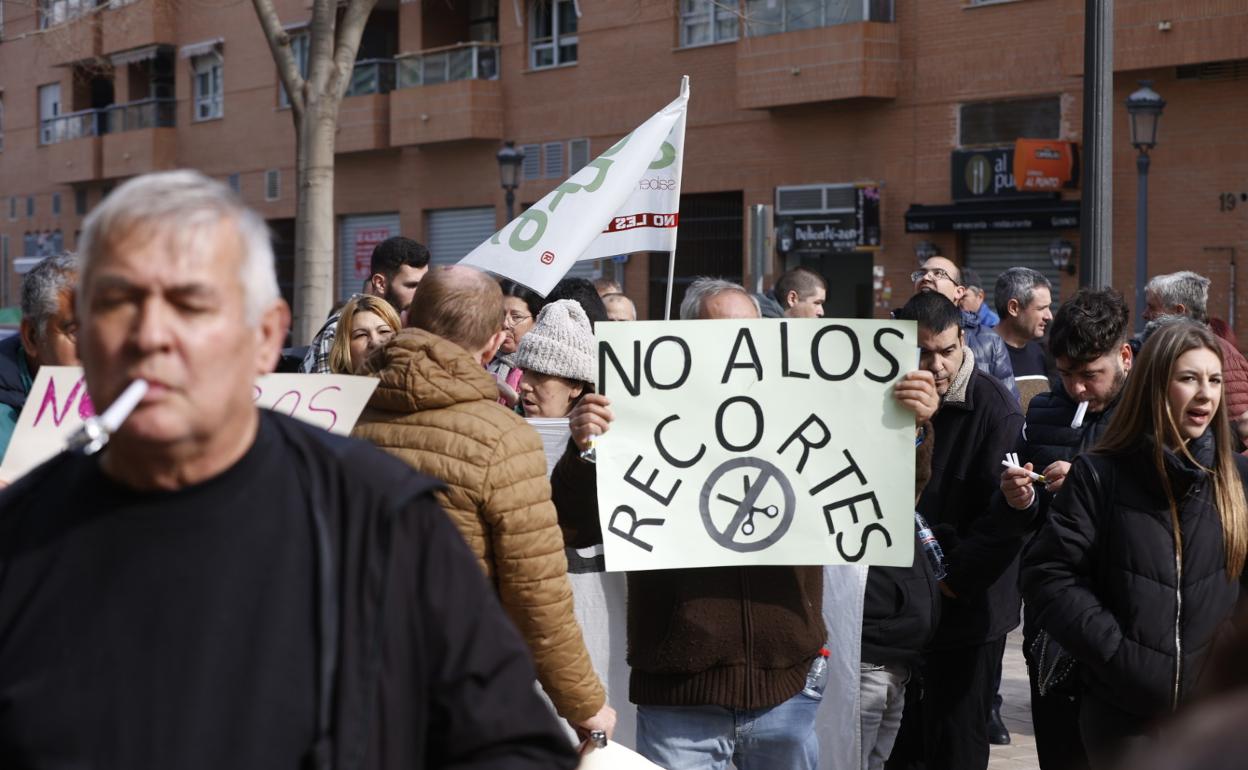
[1016,711]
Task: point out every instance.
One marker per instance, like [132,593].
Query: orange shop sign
[1044,165]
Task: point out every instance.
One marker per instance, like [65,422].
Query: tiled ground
[1016,711]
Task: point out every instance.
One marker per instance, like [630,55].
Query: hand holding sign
[916,391]
[591,417]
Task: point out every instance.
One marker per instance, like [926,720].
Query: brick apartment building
[869,130]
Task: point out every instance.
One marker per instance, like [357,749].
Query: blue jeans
[715,738]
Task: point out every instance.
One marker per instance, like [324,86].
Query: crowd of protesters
[226,587]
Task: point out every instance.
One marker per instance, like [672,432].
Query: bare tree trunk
[314,220]
[314,103]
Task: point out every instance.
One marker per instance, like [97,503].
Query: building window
[1,109]
[552,33]
[1003,122]
[532,166]
[56,204]
[80,201]
[30,206]
[50,129]
[769,17]
[483,21]
[703,22]
[208,86]
[299,43]
[552,168]
[235,184]
[30,244]
[4,251]
[272,184]
[56,244]
[578,155]
[53,12]
[12,208]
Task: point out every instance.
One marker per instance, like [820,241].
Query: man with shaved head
[436,409]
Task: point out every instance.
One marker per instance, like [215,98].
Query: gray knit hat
[560,343]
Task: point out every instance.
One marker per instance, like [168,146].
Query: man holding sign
[223,586]
[726,660]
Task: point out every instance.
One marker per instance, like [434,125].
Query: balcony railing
[466,61]
[72,125]
[145,113]
[55,12]
[372,76]
[768,17]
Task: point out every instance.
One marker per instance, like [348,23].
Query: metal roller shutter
[358,235]
[452,233]
[991,254]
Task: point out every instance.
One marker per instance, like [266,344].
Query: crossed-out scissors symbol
[747,526]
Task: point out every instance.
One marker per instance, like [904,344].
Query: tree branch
[321,44]
[279,45]
[350,30]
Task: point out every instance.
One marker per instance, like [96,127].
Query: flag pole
[671,255]
[671,278]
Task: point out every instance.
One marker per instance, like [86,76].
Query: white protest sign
[627,199]
[756,442]
[58,403]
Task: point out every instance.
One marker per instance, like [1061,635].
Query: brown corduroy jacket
[737,637]
[436,409]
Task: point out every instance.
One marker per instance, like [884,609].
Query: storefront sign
[1044,165]
[994,217]
[836,231]
[983,175]
[365,242]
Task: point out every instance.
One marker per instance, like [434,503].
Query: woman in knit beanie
[557,356]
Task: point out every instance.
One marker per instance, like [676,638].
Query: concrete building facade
[846,135]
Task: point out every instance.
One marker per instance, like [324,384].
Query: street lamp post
[509,161]
[1144,107]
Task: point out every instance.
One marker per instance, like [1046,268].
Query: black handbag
[1054,666]
[1056,669]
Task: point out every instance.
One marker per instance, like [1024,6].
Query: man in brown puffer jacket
[436,409]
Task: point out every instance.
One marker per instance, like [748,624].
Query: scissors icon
[747,527]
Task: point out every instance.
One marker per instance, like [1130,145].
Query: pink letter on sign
[49,397]
[313,408]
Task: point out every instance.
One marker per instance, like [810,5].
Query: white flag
[625,200]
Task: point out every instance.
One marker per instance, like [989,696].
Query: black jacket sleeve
[1057,571]
[991,542]
[483,709]
[574,491]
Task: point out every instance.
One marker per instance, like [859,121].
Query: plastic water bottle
[814,677]
[931,546]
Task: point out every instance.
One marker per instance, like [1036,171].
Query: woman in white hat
[557,356]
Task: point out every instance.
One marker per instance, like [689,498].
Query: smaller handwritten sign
[58,403]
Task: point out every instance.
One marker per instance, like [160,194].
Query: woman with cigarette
[1137,567]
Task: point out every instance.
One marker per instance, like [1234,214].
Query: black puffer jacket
[1047,435]
[1105,578]
[990,354]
